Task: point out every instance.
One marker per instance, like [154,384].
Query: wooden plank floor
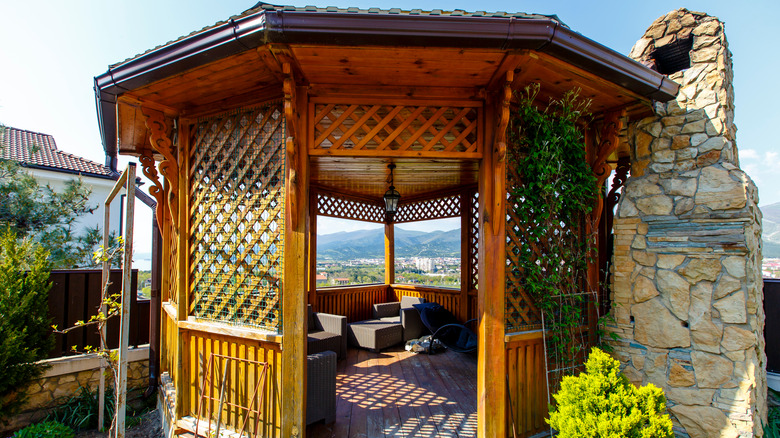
[397,393]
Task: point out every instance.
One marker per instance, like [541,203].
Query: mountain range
[370,244]
[771,232]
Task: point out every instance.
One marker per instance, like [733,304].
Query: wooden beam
[293,367]
[491,363]
[389,253]
[499,150]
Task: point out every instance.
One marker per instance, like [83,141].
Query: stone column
[687,289]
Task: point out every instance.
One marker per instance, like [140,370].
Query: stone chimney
[687,294]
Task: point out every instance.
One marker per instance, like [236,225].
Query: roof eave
[301,27]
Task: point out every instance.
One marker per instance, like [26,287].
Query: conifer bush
[602,403]
[25,330]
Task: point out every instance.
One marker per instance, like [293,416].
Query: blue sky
[51,50]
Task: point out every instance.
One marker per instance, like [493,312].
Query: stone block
[711,370]
[706,335]
[735,338]
[733,308]
[680,377]
[644,258]
[655,326]
[701,269]
[693,396]
[725,286]
[718,191]
[658,205]
[676,291]
[704,422]
[669,261]
[644,289]
[735,266]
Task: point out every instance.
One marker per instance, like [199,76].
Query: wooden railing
[354,302]
[241,377]
[75,296]
[527,385]
[448,298]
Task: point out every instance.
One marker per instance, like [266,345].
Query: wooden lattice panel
[354,129]
[520,314]
[343,207]
[437,208]
[237,217]
[474,241]
[171,281]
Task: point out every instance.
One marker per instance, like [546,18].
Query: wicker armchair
[327,332]
[402,312]
[321,387]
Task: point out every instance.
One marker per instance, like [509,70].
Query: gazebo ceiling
[412,177]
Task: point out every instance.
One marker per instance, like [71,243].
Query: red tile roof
[38,150]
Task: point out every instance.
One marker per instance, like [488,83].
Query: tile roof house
[39,155]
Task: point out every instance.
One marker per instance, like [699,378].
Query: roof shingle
[39,150]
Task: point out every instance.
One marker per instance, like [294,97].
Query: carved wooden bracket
[291,117]
[156,190]
[608,143]
[499,155]
[169,168]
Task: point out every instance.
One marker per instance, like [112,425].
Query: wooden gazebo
[262,122]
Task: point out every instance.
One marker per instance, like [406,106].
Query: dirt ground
[149,427]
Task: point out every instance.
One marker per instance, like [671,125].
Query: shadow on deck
[397,393]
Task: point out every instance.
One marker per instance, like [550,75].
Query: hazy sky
[51,50]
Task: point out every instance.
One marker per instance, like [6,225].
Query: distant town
[771,268]
[430,271]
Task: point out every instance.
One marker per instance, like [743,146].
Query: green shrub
[601,403]
[81,411]
[47,429]
[24,318]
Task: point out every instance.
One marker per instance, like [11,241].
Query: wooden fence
[75,296]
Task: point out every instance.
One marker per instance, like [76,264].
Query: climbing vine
[555,191]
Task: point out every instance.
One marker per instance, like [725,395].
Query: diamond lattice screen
[474,240]
[438,208]
[353,128]
[237,205]
[520,312]
[339,206]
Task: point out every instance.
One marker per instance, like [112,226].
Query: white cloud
[748,154]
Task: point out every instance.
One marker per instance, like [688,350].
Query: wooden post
[293,367]
[491,362]
[182,269]
[465,254]
[313,249]
[389,253]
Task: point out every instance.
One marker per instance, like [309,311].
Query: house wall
[100,189]
[687,287]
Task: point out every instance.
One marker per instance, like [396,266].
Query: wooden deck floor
[397,393]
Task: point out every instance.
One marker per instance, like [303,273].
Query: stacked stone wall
[687,289]
[64,379]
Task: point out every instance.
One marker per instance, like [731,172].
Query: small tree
[24,317]
[602,403]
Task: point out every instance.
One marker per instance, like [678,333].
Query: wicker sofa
[403,313]
[393,323]
[327,332]
[321,387]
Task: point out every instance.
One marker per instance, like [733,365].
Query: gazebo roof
[439,51]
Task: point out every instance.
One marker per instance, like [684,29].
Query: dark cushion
[396,319]
[407,301]
[434,316]
[317,342]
